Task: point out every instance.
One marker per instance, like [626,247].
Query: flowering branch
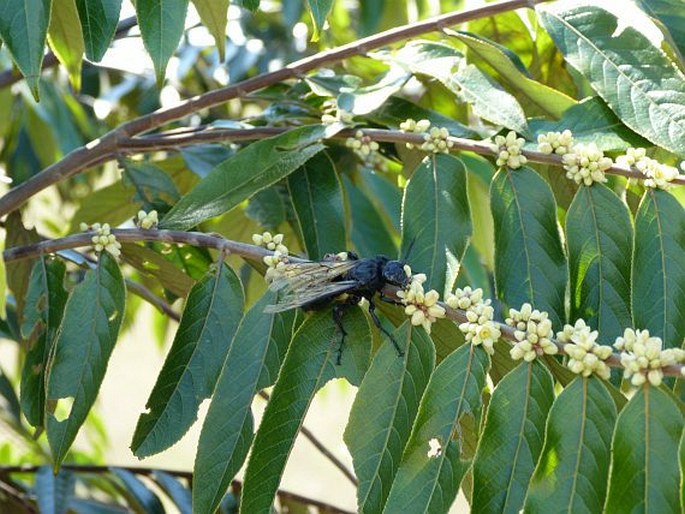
[252,252]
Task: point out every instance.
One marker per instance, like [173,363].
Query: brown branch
[9,77]
[9,488]
[107,146]
[187,475]
[309,435]
[177,139]
[246,251]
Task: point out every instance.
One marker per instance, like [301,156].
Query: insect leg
[377,322]
[338,312]
[388,299]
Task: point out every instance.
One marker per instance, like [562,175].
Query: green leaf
[252,169]
[364,100]
[670,13]
[214,14]
[317,197]
[66,40]
[591,121]
[161,25]
[145,499]
[309,365]
[54,492]
[180,494]
[368,232]
[112,204]
[625,67]
[383,413]
[436,222]
[84,343]
[154,188]
[599,235]
[23,28]
[319,10]
[644,468]
[546,99]
[530,265]
[210,318]
[445,63]
[99,23]
[45,300]
[658,275]
[3,279]
[512,439]
[227,431]
[573,471]
[432,468]
[151,263]
[18,272]
[396,110]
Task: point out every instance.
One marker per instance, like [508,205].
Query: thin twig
[9,77]
[176,140]
[187,475]
[309,435]
[108,145]
[8,488]
[246,251]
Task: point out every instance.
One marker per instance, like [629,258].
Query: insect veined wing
[305,282]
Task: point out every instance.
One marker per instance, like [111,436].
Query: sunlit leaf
[98,22]
[66,40]
[214,14]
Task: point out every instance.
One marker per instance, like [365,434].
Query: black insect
[341,283]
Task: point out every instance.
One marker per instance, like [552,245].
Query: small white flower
[147,220]
[586,356]
[559,143]
[422,307]
[533,333]
[586,164]
[508,150]
[643,359]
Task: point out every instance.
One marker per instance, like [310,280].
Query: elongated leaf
[573,471]
[149,262]
[319,10]
[432,468]
[252,169]
[591,121]
[99,23]
[190,372]
[436,222]
[161,26]
[112,204]
[18,272]
[3,279]
[631,72]
[670,13]
[45,300]
[146,500]
[309,364]
[445,63]
[512,439]
[23,28]
[658,276]
[317,196]
[227,431]
[546,99]
[214,14]
[364,100]
[383,413]
[530,265]
[84,343]
[66,40]
[644,467]
[599,235]
[175,490]
[368,232]
[54,491]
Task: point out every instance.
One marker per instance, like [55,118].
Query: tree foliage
[386,129]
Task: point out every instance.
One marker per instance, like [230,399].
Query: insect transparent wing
[306,282]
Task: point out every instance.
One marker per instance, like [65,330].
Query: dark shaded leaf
[98,23]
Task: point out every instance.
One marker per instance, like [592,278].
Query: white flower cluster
[559,143]
[103,238]
[362,144]
[422,306]
[479,329]
[509,151]
[643,359]
[277,262]
[586,164]
[533,333]
[147,220]
[586,355]
[657,175]
[436,139]
[334,114]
